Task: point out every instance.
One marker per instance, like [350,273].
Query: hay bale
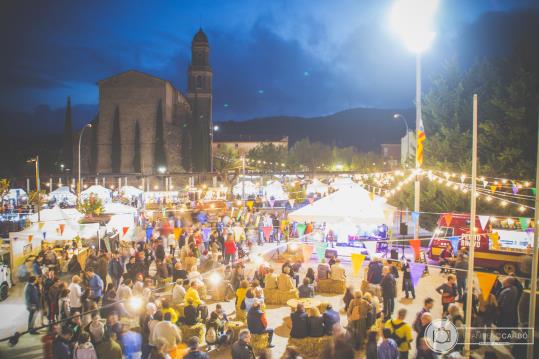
[280,297]
[241,315]
[310,347]
[259,342]
[197,330]
[331,286]
[374,289]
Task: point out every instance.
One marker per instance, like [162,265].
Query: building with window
[244,143]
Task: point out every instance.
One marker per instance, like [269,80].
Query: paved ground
[13,313]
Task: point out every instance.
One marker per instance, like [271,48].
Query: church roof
[200,36]
[133,72]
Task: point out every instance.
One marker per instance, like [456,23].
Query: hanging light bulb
[503,203]
[522,208]
[489,198]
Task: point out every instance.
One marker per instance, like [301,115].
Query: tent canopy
[118,208]
[343,183]
[130,191]
[64,194]
[250,188]
[99,191]
[317,187]
[274,189]
[15,193]
[57,214]
[350,205]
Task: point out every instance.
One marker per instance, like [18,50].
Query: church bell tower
[199,94]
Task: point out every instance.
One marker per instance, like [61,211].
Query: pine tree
[67,154]
[136,150]
[116,155]
[159,159]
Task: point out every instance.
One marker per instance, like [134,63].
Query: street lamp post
[212,129]
[38,185]
[407,153]
[89,125]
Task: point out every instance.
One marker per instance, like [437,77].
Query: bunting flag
[177,233]
[486,282]
[448,217]
[206,233]
[284,222]
[485,183]
[416,247]
[30,237]
[523,223]
[267,232]
[232,212]
[40,225]
[321,250]
[514,188]
[534,191]
[307,250]
[271,202]
[357,261]
[311,200]
[300,227]
[493,188]
[61,228]
[257,220]
[494,239]
[415,217]
[250,205]
[228,204]
[416,272]
[483,220]
[247,217]
[291,201]
[164,212]
[44,235]
[421,137]
[124,230]
[455,243]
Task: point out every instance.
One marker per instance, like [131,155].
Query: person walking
[401,332]
[33,302]
[407,284]
[115,269]
[388,285]
[357,319]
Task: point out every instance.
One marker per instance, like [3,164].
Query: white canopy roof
[52,230]
[349,205]
[250,188]
[64,194]
[15,193]
[317,187]
[118,208]
[99,191]
[274,189]
[57,214]
[130,191]
[342,183]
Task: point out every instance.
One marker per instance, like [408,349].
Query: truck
[500,243]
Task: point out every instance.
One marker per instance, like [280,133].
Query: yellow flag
[357,261]
[40,225]
[250,205]
[486,282]
[177,233]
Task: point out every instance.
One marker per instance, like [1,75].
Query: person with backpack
[388,285]
[357,319]
[427,307]
[401,332]
[387,349]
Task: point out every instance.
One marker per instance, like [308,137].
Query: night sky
[273,57]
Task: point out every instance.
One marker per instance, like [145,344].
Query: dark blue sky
[301,57]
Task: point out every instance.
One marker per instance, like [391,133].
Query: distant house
[391,151]
[244,143]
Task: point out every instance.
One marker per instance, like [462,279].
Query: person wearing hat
[194,350]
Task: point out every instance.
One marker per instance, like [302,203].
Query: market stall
[132,195]
[104,194]
[63,195]
[317,187]
[16,195]
[247,187]
[274,190]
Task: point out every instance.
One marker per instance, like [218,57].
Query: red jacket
[230,247]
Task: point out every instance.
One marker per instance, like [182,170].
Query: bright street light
[162,169]
[216,128]
[413,21]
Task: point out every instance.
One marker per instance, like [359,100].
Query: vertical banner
[267,232]
[321,250]
[486,282]
[357,262]
[416,272]
[416,246]
[455,243]
[307,250]
[300,227]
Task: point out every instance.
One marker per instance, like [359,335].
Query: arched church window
[199,82]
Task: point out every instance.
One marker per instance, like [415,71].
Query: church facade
[145,125]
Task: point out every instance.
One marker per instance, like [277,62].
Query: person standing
[507,304]
[461,269]
[95,284]
[61,348]
[242,349]
[388,285]
[75,294]
[33,302]
[102,268]
[331,318]
[448,291]
[407,284]
[387,349]
[402,332]
[427,307]
[357,319]
[116,270]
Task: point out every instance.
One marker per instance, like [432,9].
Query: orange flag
[448,218]
[357,261]
[62,227]
[486,282]
[177,233]
[416,246]
[124,230]
[30,237]
[307,252]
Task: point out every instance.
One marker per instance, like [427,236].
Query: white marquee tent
[343,183]
[64,194]
[250,188]
[56,214]
[98,191]
[274,189]
[350,205]
[317,187]
[130,191]
[118,208]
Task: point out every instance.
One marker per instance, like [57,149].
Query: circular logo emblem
[441,336]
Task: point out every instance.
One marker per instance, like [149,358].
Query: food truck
[500,244]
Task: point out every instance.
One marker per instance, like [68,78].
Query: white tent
[57,214]
[16,194]
[317,187]
[274,189]
[59,230]
[250,188]
[343,183]
[121,221]
[349,205]
[98,191]
[130,191]
[118,208]
[64,194]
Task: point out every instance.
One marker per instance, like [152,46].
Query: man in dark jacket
[60,345]
[102,268]
[331,317]
[461,269]
[508,304]
[194,350]
[241,349]
[116,270]
[388,284]
[257,322]
[299,323]
[374,274]
[33,302]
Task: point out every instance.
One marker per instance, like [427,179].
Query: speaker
[403,230]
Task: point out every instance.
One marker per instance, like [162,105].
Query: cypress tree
[136,149]
[67,153]
[159,158]
[116,155]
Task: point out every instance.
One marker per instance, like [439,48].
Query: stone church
[145,125]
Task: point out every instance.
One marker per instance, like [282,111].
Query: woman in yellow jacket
[241,292]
